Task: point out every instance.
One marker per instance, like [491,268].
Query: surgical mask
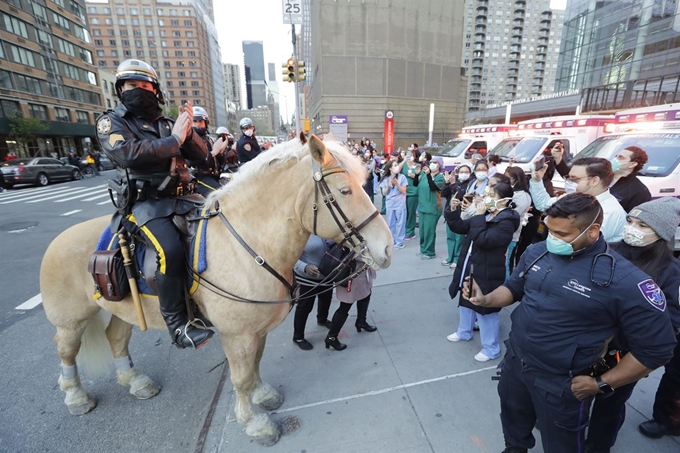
[434,167]
[633,236]
[491,204]
[394,170]
[142,103]
[248,132]
[570,186]
[463,176]
[481,175]
[558,246]
[201,131]
[616,165]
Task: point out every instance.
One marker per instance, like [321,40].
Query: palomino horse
[272,205]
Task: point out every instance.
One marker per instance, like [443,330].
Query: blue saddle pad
[197,258]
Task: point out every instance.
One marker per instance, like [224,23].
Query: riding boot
[362,311]
[171,298]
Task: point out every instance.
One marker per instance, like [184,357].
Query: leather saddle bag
[108,272]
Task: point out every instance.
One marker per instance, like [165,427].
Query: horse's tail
[95,353]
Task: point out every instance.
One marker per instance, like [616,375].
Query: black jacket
[450,189]
[146,149]
[247,149]
[490,241]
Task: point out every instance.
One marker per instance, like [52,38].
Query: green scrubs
[430,207]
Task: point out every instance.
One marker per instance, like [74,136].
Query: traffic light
[301,71]
[289,70]
[306,127]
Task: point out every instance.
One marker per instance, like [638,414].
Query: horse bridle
[350,233]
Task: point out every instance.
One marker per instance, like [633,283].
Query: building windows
[191,53]
[16,26]
[161,22]
[113,42]
[190,44]
[120,11]
[121,21]
[190,34]
[107,10]
[6,80]
[176,34]
[179,53]
[134,12]
[182,83]
[114,53]
[188,23]
[148,22]
[180,64]
[194,74]
[194,83]
[196,92]
[166,64]
[94,21]
[127,53]
[165,53]
[135,22]
[183,93]
[177,43]
[38,111]
[61,114]
[102,63]
[101,53]
[96,32]
[9,109]
[28,84]
[174,23]
[164,44]
[159,12]
[146,11]
[181,74]
[192,64]
[187,12]
[23,56]
[110,32]
[108,21]
[168,84]
[140,53]
[82,117]
[91,10]
[149,33]
[61,22]
[126,43]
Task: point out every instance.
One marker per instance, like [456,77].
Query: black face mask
[142,103]
[201,131]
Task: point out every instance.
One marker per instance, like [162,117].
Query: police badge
[104,125]
[247,147]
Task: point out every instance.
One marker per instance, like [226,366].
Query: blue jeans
[396,219]
[488,330]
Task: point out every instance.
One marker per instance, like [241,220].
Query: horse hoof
[83,408]
[268,398]
[144,388]
[263,430]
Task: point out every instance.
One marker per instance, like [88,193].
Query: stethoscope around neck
[606,254]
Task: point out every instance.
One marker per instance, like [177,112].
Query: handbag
[337,264]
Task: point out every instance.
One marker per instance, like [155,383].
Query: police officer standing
[207,171]
[247,146]
[149,150]
[576,294]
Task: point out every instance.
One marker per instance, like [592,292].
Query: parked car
[37,170]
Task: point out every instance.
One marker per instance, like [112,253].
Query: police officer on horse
[150,151]
[207,171]
[247,146]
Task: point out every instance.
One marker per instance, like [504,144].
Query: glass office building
[621,53]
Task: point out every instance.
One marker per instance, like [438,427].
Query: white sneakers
[453,337]
[481,357]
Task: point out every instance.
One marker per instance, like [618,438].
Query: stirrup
[179,332]
[194,322]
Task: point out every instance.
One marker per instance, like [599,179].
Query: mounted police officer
[149,152]
[207,171]
[576,294]
[247,146]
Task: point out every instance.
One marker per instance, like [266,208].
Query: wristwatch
[606,388]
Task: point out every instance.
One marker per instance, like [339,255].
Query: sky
[256,20]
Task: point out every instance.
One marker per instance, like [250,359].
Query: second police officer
[247,146]
[208,171]
[150,150]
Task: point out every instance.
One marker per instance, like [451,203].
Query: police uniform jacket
[566,319]
[489,241]
[210,165]
[247,149]
[146,150]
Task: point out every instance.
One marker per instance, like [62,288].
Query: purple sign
[337,119]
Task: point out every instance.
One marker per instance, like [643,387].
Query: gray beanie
[661,215]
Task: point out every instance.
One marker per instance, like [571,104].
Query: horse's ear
[303,137]
[317,149]
[329,137]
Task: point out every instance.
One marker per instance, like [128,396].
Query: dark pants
[341,314]
[528,397]
[206,184]
[305,305]
[2,181]
[607,417]
[170,250]
[667,401]
[528,234]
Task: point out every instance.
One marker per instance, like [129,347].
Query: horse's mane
[283,153]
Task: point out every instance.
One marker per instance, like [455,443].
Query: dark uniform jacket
[146,150]
[490,241]
[566,320]
[247,149]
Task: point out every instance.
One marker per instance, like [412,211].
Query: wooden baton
[132,279]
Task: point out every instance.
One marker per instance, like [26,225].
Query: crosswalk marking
[31,197]
[104,202]
[9,195]
[30,303]
[79,196]
[52,197]
[56,194]
[97,197]
[71,212]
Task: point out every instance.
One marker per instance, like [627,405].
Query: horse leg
[141,386]
[264,395]
[77,399]
[241,351]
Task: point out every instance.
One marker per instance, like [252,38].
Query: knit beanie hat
[661,215]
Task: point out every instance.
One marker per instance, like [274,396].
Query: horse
[273,204]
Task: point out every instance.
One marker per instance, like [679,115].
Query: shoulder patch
[104,125]
[653,294]
[247,147]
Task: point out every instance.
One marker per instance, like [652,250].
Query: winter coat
[361,286]
[489,241]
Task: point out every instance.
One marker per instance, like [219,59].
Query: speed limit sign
[292,11]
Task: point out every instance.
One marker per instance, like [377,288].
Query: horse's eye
[346,191]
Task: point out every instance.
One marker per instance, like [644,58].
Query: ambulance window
[479,147]
[567,151]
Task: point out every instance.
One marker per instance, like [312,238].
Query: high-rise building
[176,37]
[621,54]
[306,40]
[273,97]
[510,49]
[232,84]
[47,72]
[364,70]
[253,59]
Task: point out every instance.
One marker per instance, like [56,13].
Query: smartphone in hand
[472,276]
[539,163]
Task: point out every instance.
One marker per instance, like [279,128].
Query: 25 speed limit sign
[292,11]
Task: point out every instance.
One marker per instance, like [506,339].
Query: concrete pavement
[404,388]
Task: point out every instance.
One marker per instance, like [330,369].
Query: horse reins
[350,233]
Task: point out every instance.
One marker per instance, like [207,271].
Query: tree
[25,130]
[171,110]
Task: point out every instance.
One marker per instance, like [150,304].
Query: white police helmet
[245,122]
[201,115]
[222,130]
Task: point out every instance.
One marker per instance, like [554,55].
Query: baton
[132,280]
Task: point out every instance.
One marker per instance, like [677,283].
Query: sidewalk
[404,388]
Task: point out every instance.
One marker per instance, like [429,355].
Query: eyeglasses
[577,180]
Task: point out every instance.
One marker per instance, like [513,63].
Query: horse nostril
[387,250]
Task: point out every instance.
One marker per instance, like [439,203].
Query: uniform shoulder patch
[653,294]
[104,125]
[247,147]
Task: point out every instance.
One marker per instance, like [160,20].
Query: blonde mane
[282,154]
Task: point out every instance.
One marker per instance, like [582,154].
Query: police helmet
[220,130]
[137,70]
[245,123]
[201,115]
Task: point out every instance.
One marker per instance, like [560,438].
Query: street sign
[292,11]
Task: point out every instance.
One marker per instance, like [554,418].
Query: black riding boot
[362,311]
[174,311]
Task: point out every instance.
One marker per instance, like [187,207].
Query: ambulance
[473,139]
[534,137]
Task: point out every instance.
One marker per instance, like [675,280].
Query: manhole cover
[18,227]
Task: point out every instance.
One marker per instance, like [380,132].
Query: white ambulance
[536,136]
[473,139]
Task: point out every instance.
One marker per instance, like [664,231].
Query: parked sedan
[39,170]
